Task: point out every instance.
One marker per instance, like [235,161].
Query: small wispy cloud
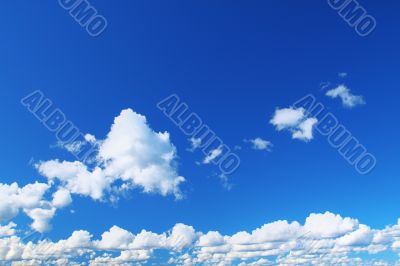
[348,99]
[212,155]
[194,143]
[260,144]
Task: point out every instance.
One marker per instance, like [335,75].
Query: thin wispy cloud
[348,99]
[212,155]
[194,143]
[260,144]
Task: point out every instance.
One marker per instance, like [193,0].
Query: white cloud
[76,177]
[344,93]
[287,118]
[362,236]
[324,239]
[7,230]
[276,231]
[140,156]
[260,144]
[211,239]
[61,198]
[132,153]
[181,236]
[115,238]
[304,130]
[30,199]
[41,218]
[329,225]
[90,138]
[194,143]
[331,239]
[296,121]
[212,155]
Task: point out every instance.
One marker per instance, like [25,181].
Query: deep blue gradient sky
[234,63]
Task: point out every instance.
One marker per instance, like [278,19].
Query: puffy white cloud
[90,138]
[61,198]
[296,121]
[211,239]
[7,230]
[135,153]
[30,199]
[344,93]
[181,236]
[276,231]
[362,236]
[41,218]
[329,225]
[132,153]
[304,130]
[126,258]
[79,239]
[324,239]
[115,238]
[260,144]
[287,117]
[148,240]
[76,177]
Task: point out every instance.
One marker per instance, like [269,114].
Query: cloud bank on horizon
[323,239]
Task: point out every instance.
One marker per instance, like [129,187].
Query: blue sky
[234,64]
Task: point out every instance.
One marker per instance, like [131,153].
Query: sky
[148,194]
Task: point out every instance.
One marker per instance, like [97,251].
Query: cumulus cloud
[361,237]
[62,198]
[41,217]
[30,199]
[131,153]
[76,177]
[90,138]
[304,130]
[329,225]
[287,118]
[115,238]
[296,121]
[7,230]
[260,144]
[348,99]
[324,239]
